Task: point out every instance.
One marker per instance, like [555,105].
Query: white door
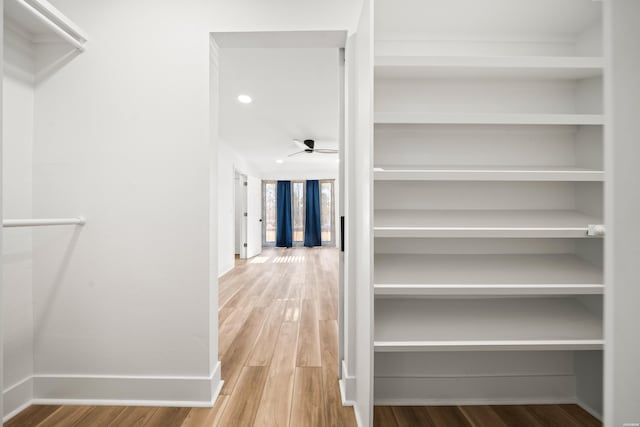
[254,216]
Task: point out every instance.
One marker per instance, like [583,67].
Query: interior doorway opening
[240,214]
[279,90]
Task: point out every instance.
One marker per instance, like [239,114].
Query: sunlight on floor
[288,259]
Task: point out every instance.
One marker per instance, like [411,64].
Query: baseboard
[347,390]
[590,410]
[481,390]
[347,387]
[470,402]
[227,270]
[17,397]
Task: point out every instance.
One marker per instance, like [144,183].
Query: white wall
[17,257]
[360,214]
[622,151]
[122,137]
[1,214]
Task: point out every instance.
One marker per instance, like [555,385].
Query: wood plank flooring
[278,336]
[484,416]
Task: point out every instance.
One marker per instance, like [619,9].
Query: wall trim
[119,390]
[17,397]
[347,390]
[347,386]
[589,409]
[228,270]
[471,402]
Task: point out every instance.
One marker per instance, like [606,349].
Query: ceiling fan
[308,147]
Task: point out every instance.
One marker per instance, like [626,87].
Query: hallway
[278,349]
[278,340]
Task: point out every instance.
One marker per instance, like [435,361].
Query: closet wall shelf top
[486,173]
[545,67]
[40,22]
[487,118]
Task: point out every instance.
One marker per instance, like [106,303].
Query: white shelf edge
[399,290]
[507,345]
[487,118]
[486,175]
[481,232]
[515,62]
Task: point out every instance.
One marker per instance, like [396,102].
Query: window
[298,202]
[298,212]
[327,219]
[269,214]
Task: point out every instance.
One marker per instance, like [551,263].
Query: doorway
[240,214]
[280,316]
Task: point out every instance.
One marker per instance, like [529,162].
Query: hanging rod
[42,222]
[55,27]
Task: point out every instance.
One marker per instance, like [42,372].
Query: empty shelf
[482,223]
[485,274]
[533,67]
[487,118]
[486,173]
[485,324]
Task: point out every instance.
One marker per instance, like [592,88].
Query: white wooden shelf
[485,173]
[482,223]
[485,324]
[487,118]
[485,274]
[534,67]
[39,22]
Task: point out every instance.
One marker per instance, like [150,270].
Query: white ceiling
[295,94]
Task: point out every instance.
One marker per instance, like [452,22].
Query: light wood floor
[278,337]
[278,347]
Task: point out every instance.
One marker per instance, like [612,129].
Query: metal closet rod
[42,222]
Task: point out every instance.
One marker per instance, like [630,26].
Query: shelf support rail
[10,223]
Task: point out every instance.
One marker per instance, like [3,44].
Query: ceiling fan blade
[295,154]
[300,144]
[325,151]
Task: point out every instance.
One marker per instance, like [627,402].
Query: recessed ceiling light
[279,161]
[245,99]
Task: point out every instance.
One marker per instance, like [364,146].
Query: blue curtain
[284,226]
[312,228]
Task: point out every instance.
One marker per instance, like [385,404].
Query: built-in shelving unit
[488,186]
